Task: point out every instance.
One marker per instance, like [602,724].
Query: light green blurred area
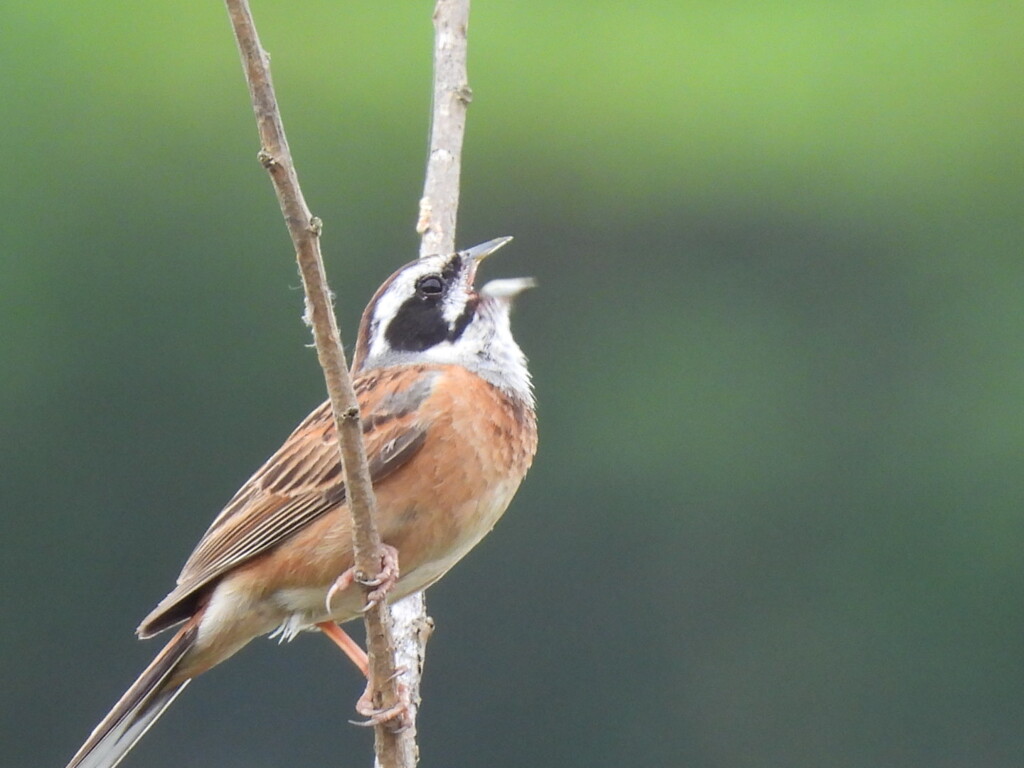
[776,515]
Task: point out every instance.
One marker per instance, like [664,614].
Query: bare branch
[436,224]
[437,218]
[304,229]
[439,205]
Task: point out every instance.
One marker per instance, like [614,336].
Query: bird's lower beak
[507,288]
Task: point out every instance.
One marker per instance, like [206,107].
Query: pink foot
[381,583]
[397,717]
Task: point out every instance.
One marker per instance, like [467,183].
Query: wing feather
[301,482]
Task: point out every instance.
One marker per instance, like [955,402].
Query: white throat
[486,348]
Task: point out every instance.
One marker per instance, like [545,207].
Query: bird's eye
[431,285]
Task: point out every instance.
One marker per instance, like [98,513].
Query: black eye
[431,285]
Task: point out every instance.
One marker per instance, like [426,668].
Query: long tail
[139,708]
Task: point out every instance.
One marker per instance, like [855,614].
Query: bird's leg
[348,646]
[397,717]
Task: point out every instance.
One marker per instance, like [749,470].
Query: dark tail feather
[139,708]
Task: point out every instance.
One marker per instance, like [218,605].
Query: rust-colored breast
[447,451]
[477,449]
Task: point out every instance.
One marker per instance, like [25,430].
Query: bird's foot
[397,717]
[381,583]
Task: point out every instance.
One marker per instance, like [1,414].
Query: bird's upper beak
[480,252]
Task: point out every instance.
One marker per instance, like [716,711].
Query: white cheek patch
[403,288]
[395,296]
[454,303]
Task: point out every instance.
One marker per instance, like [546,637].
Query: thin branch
[439,206]
[436,224]
[304,229]
[437,218]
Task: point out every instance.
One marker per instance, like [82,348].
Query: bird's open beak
[506,289]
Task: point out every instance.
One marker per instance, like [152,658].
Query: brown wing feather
[301,482]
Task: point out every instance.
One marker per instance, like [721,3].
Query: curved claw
[397,717]
[340,584]
[382,583]
[399,712]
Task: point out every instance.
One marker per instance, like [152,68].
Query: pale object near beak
[507,288]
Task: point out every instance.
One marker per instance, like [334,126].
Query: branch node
[425,629]
[316,226]
[267,160]
[464,94]
[426,214]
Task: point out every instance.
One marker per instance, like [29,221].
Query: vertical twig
[305,233]
[438,213]
[436,224]
[439,205]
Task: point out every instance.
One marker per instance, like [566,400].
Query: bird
[448,421]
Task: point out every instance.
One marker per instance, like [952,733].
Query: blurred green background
[775,519]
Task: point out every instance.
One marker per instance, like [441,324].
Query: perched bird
[448,421]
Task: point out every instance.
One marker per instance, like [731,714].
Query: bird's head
[430,312]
